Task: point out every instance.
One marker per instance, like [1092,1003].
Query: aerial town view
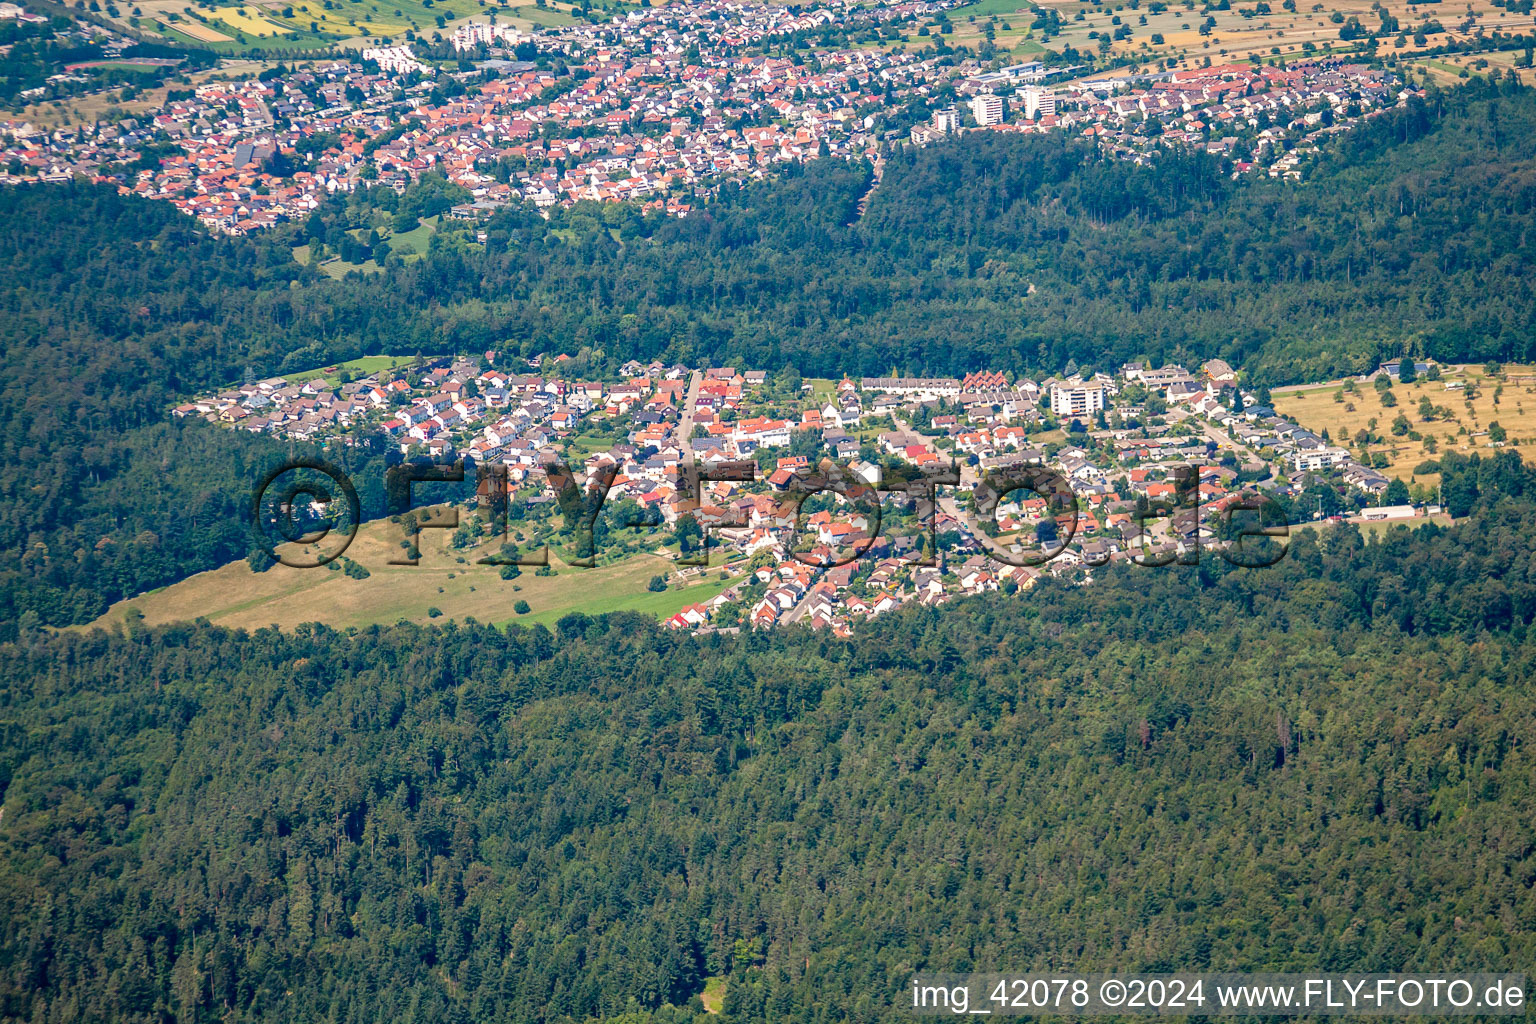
[1118,438]
[664,104]
[766,511]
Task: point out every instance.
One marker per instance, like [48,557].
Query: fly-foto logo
[306,501]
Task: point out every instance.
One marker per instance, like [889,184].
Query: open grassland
[352,369]
[408,245]
[413,242]
[335,268]
[1172,31]
[446,580]
[1460,418]
[663,604]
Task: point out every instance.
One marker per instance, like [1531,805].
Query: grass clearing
[713,995]
[234,596]
[360,367]
[336,269]
[415,241]
[1457,424]
[662,605]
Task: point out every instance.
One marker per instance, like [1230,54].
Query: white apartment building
[1077,399]
[469,35]
[1318,458]
[395,60]
[987,109]
[946,120]
[1038,102]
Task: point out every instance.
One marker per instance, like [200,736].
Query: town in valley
[663,105]
[1160,463]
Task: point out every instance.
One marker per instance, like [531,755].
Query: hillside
[1324,764]
[447,582]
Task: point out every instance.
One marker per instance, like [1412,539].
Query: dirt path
[864,199]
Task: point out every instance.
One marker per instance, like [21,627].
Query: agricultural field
[200,32]
[446,580]
[1463,408]
[1173,30]
[248,21]
[1161,31]
[1450,68]
[286,26]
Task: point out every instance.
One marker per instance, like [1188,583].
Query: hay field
[202,33]
[1455,423]
[243,19]
[235,596]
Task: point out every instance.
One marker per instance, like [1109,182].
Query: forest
[1319,765]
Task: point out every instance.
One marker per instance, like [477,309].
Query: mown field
[352,368]
[1460,419]
[446,580]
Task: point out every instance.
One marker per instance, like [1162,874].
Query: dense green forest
[1411,232]
[1319,764]
[1322,765]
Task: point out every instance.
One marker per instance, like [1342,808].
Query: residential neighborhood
[660,106]
[805,489]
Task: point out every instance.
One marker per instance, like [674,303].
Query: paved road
[1224,440]
[969,478]
[685,422]
[799,611]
